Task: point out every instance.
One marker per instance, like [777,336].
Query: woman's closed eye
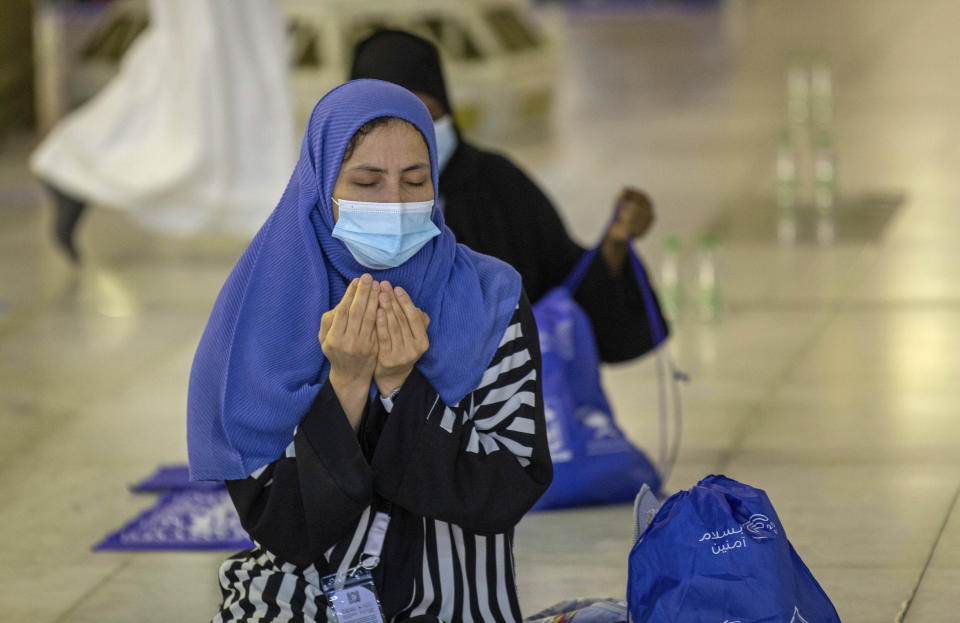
[366,181]
[370,182]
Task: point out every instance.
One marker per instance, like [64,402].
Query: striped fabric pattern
[464,576]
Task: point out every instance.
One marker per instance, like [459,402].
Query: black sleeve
[482,463]
[302,504]
[617,312]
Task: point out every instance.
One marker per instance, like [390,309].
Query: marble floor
[829,378]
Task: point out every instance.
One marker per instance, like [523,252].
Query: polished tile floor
[829,379]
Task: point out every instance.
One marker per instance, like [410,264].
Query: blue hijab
[259,365]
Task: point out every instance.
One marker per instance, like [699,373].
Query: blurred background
[802,156]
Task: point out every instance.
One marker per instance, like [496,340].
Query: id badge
[352,599]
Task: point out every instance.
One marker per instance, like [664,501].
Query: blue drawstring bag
[716,553]
[593,461]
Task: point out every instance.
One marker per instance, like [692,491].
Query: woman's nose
[393,192]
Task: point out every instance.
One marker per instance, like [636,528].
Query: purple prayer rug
[183,520]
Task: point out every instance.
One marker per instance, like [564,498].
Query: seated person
[494,208]
[370,390]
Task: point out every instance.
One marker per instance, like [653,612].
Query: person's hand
[402,336]
[348,338]
[633,215]
[348,332]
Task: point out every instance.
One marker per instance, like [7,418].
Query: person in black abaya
[494,208]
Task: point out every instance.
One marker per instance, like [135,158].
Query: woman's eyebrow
[368,167]
[375,169]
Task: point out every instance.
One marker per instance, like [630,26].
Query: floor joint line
[905,609]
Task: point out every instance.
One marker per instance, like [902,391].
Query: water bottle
[707,279]
[786,190]
[786,172]
[824,174]
[798,89]
[787,228]
[821,91]
[671,288]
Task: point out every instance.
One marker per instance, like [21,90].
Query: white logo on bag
[602,434]
[599,422]
[717,535]
[559,451]
[758,526]
[560,340]
[796,616]
[757,523]
[726,546]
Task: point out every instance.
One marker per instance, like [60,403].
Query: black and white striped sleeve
[311,498]
[482,463]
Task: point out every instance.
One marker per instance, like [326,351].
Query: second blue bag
[718,552]
[593,461]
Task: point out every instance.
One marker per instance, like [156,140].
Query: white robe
[195,133]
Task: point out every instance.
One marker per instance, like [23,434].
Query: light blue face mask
[384,235]
[446,140]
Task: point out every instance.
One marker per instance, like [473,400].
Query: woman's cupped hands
[374,332]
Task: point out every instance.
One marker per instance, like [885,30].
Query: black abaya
[494,208]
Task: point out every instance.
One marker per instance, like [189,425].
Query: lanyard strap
[372,548]
[375,537]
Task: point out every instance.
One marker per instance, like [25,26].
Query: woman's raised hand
[402,337]
[348,331]
[348,337]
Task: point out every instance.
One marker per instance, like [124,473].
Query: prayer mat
[183,520]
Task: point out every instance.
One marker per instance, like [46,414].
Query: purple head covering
[259,365]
